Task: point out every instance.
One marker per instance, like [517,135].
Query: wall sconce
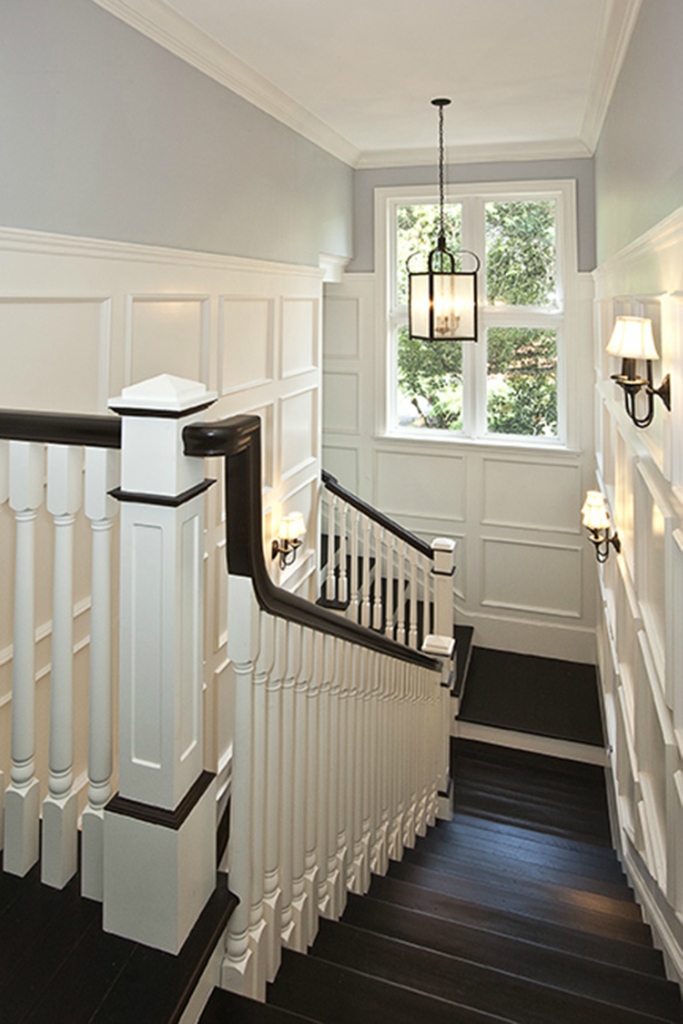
[292,529]
[632,339]
[595,518]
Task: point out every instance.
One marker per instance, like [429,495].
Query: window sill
[503,444]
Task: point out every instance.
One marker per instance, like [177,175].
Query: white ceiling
[527,77]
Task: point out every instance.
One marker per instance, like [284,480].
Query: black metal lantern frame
[442,301]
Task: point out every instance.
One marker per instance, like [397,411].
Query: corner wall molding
[500,152]
[179,36]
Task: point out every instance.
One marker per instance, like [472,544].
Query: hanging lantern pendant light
[442,301]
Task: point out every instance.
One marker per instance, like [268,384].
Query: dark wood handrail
[60,428]
[399,531]
[238,440]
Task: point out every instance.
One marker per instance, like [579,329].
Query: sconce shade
[594,511]
[292,526]
[632,338]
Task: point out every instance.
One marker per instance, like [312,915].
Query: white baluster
[366,607]
[389,609]
[240,969]
[101,475]
[401,635]
[60,807]
[343,587]
[315,784]
[330,589]
[324,809]
[342,774]
[335,880]
[413,597]
[4,495]
[352,766]
[22,800]
[272,892]
[291,922]
[301,775]
[352,610]
[377,602]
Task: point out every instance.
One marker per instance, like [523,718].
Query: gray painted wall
[103,133]
[639,159]
[366,181]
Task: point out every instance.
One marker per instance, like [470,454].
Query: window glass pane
[417,230]
[520,253]
[429,383]
[521,386]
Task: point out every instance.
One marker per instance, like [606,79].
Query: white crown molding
[333,267]
[179,36]
[667,233]
[615,35]
[23,240]
[497,152]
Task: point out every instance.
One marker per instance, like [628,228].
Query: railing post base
[293,936]
[311,890]
[158,875]
[92,853]
[272,912]
[242,976]
[22,830]
[59,860]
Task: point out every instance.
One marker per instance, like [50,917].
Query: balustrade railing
[340,749]
[381,575]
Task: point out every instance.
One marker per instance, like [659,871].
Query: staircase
[517,910]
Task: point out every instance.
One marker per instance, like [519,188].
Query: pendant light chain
[442,227]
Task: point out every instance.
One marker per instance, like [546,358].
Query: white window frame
[564,321]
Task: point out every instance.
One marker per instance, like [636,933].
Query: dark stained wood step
[529,960]
[632,956]
[507,813]
[331,994]
[489,826]
[536,878]
[585,913]
[227,1008]
[556,769]
[464,982]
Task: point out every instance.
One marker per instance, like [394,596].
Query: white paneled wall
[523,567]
[79,320]
[640,622]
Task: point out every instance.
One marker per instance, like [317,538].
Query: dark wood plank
[226,1008]
[524,959]
[463,982]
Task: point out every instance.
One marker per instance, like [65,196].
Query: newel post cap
[164,393]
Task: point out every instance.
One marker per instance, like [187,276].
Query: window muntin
[517,393]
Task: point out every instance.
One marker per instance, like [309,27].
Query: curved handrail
[399,531]
[60,428]
[238,440]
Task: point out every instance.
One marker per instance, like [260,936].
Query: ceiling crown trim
[615,35]
[490,153]
[176,34]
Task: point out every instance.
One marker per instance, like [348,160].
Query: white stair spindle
[101,475]
[413,597]
[335,881]
[272,892]
[352,610]
[377,602]
[314,784]
[343,588]
[59,859]
[330,589]
[389,609]
[324,810]
[300,778]
[343,769]
[401,635]
[366,607]
[22,800]
[291,922]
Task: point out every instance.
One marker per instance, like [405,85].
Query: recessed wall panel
[341,328]
[62,346]
[532,495]
[166,336]
[340,403]
[541,578]
[299,336]
[246,343]
[342,463]
[298,431]
[420,485]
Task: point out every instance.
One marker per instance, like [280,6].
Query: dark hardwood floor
[516,911]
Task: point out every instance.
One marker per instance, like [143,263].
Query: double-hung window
[510,385]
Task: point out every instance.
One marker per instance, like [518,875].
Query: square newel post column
[160,828]
[443,571]
[443,647]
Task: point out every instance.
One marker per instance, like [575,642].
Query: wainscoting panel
[342,463]
[531,495]
[540,578]
[298,434]
[341,403]
[245,346]
[167,335]
[299,345]
[420,485]
[341,328]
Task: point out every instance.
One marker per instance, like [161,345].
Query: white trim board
[565,749]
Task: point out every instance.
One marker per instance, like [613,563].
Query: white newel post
[59,860]
[443,647]
[160,829]
[101,475]
[22,797]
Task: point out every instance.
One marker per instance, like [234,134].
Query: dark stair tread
[559,969]
[154,987]
[549,883]
[227,1008]
[332,994]
[463,982]
[492,811]
[476,752]
[541,817]
[533,793]
[583,917]
[490,826]
[461,843]
[621,953]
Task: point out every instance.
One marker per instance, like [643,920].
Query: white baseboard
[545,640]
[566,749]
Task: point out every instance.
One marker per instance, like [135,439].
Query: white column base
[396,838]
[158,878]
[311,890]
[272,913]
[241,977]
[336,894]
[92,854]
[421,819]
[22,831]
[294,936]
[379,862]
[59,854]
[409,819]
[258,942]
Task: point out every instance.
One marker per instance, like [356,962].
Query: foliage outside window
[509,387]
